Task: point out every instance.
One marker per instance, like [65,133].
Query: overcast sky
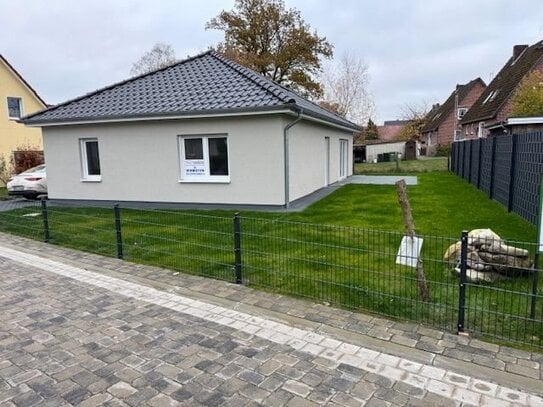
[416,50]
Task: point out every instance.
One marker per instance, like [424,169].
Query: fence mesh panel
[343,266]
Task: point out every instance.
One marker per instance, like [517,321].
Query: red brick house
[442,126]
[494,104]
[390,129]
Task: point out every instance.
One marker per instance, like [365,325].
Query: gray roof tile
[207,83]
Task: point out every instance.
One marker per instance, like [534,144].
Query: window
[491,96]
[90,160]
[461,112]
[15,108]
[204,158]
[481,130]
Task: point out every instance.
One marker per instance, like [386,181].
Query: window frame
[207,178]
[461,112]
[85,176]
[20,100]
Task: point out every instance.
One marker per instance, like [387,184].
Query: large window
[204,158]
[90,160]
[15,108]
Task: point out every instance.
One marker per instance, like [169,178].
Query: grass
[331,252]
[430,164]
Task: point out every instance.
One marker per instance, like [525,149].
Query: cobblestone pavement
[82,329]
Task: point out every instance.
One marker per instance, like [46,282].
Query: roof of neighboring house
[390,130]
[25,83]
[437,116]
[504,84]
[379,142]
[205,84]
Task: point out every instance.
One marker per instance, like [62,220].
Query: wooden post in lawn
[410,231]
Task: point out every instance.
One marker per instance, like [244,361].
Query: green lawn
[341,250]
[430,164]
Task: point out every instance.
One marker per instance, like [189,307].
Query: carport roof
[205,84]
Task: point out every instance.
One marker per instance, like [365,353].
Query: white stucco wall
[372,150]
[308,156]
[140,161]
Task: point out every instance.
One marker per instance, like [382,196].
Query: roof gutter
[286,140]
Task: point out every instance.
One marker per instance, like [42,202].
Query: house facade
[203,131]
[442,127]
[17,98]
[494,104]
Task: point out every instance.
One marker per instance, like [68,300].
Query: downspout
[286,156]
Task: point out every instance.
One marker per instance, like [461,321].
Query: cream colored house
[203,131]
[17,99]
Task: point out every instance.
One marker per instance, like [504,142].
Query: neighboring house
[390,129]
[494,104]
[17,98]
[442,126]
[205,130]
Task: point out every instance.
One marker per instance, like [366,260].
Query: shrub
[25,157]
[443,150]
[6,170]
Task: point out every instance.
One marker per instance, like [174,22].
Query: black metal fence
[483,286]
[507,168]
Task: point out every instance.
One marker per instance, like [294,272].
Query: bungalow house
[203,131]
[494,104]
[17,98]
[441,128]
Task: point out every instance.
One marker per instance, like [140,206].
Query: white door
[327,161]
[343,158]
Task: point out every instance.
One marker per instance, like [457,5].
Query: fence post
[512,173]
[535,280]
[492,166]
[471,142]
[462,286]
[117,212]
[463,169]
[237,248]
[45,217]
[479,161]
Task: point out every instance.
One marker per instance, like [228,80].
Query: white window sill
[13,118]
[205,180]
[93,179]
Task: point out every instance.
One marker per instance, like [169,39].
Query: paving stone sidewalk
[397,363]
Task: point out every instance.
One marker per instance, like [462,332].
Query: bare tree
[160,56]
[416,115]
[346,85]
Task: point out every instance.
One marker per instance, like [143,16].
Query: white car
[30,183]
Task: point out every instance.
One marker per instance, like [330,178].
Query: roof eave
[155,116]
[279,109]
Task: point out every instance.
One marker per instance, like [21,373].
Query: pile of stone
[489,258]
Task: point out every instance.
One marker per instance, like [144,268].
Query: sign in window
[204,158]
